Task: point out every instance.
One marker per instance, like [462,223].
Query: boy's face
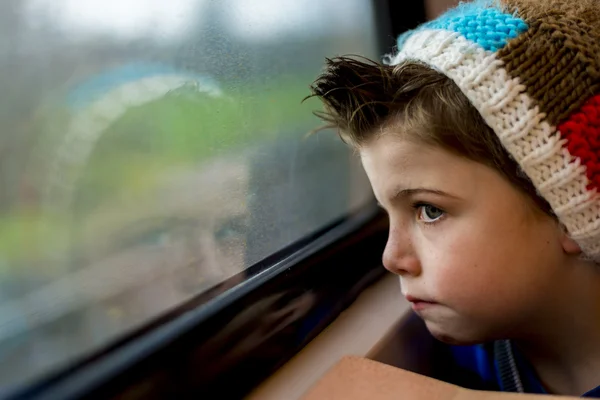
[464,240]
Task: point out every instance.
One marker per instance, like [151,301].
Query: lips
[419,304]
[414,299]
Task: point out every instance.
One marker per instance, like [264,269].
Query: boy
[481,139]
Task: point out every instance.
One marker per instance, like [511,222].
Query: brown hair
[362,96]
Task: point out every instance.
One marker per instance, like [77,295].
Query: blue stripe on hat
[480,21]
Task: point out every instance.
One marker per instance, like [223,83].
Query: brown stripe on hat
[558,58]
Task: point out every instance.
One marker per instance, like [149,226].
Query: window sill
[358,331]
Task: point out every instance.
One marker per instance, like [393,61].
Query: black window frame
[282,303]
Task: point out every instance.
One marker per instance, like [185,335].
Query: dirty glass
[151,149]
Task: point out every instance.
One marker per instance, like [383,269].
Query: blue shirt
[479,360]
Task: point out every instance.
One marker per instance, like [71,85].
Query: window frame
[162,361]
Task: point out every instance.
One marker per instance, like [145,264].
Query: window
[151,150]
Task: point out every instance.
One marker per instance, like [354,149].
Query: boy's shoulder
[477,367]
[477,358]
[470,366]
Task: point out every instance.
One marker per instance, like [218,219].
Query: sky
[167,20]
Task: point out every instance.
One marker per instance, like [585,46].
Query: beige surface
[357,331]
[356,378]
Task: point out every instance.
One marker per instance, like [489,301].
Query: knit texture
[532,70]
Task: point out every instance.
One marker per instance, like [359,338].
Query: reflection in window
[150,153]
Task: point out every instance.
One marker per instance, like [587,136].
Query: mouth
[419,304]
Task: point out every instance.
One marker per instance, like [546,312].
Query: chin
[455,336]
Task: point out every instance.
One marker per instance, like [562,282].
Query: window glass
[152,149]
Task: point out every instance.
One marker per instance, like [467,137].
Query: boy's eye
[428,213]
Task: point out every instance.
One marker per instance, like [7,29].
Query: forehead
[393,163]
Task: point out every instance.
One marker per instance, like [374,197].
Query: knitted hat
[532,70]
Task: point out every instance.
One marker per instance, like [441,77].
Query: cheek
[482,271]
[460,274]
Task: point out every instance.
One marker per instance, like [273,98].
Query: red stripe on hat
[582,131]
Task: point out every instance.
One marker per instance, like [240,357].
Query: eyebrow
[400,193]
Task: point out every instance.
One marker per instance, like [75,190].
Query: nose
[399,256]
